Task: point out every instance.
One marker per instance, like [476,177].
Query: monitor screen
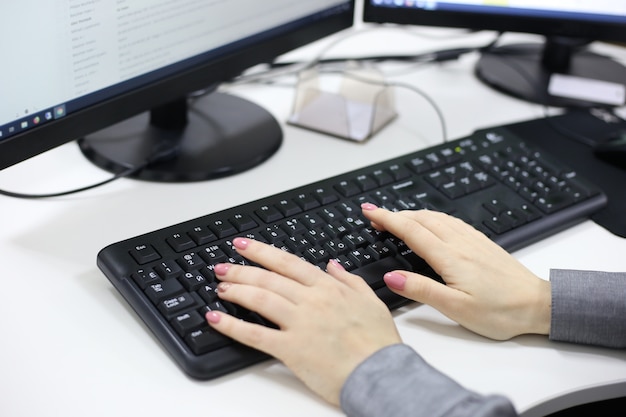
[524,70]
[122,77]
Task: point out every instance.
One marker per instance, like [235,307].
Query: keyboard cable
[157,156]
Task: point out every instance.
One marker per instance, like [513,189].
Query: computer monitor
[122,77]
[524,70]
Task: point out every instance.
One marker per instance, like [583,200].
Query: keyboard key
[176,304]
[274,234]
[288,207]
[191,261]
[399,172]
[161,290]
[222,228]
[325,196]
[366,183]
[292,226]
[361,257]
[452,189]
[382,177]
[145,277]
[168,269]
[554,201]
[144,254]
[180,242]
[499,224]
[209,293]
[205,340]
[495,206]
[202,235]
[419,165]
[187,322]
[348,188]
[306,201]
[373,273]
[213,254]
[243,222]
[192,280]
[269,214]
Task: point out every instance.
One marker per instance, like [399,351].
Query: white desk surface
[71,346]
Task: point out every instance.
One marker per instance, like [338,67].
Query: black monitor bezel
[73,126]
[547,26]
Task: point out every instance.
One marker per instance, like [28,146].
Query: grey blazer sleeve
[397,382]
[589,307]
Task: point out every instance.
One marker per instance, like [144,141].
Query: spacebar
[390,298]
[373,273]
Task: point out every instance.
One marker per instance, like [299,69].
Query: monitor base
[524,70]
[217,135]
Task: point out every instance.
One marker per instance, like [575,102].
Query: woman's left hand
[329,322]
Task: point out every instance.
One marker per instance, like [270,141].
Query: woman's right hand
[487,290]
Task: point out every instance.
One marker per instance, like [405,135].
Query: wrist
[541,310]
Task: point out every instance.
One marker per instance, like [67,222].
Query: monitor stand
[196,139]
[524,70]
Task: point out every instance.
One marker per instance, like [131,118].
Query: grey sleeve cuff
[588,307]
[397,382]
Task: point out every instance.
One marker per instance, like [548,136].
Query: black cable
[441,55]
[77,190]
[158,156]
[435,56]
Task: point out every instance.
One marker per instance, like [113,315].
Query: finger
[422,289]
[419,238]
[265,339]
[268,304]
[355,282]
[277,260]
[261,278]
[438,223]
[442,225]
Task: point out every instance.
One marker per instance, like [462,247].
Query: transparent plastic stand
[356,111]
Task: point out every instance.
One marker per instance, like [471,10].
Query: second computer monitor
[525,70]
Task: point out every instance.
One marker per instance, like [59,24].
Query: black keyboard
[514,193]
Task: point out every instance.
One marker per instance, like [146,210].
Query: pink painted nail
[369,206]
[395,280]
[241,242]
[221,269]
[212,317]
[337,264]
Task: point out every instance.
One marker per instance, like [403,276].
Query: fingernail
[223,286]
[221,269]
[212,317]
[336,264]
[369,206]
[395,280]
[240,242]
